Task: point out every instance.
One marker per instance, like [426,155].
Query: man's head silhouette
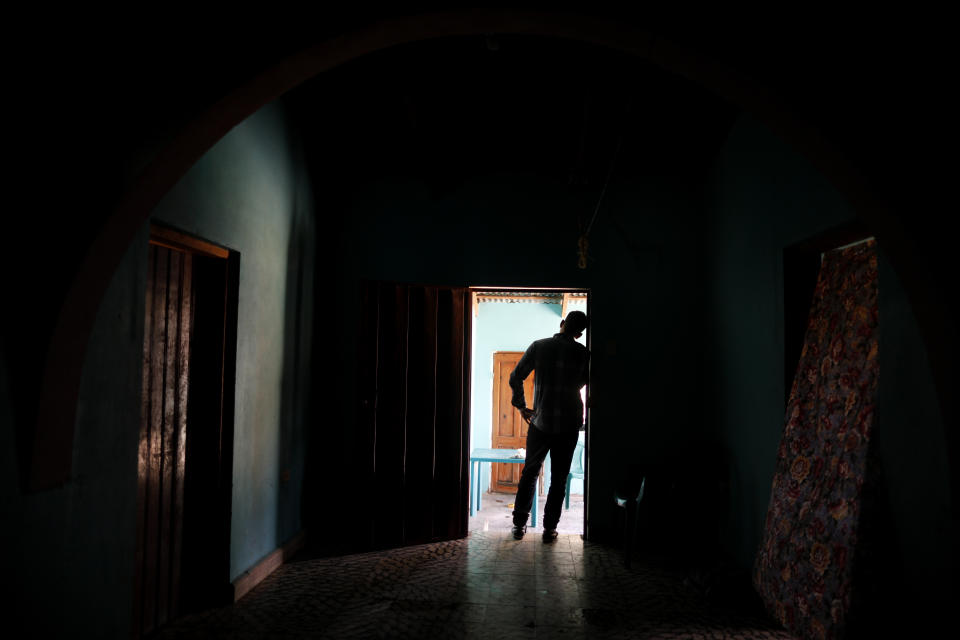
[574,324]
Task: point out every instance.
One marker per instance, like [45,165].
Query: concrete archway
[52,451]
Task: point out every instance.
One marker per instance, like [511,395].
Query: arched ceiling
[863,94]
[448,108]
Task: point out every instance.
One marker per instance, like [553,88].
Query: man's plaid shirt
[561,371]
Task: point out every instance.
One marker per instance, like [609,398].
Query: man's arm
[519,374]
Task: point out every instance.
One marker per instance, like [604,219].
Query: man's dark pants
[561,447]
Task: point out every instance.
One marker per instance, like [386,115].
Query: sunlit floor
[488,586]
[496,514]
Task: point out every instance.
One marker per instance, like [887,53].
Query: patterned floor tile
[559,570]
[560,616]
[487,586]
[511,615]
[515,567]
[562,633]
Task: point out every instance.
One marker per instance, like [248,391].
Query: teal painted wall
[505,327]
[764,198]
[247,193]
[251,194]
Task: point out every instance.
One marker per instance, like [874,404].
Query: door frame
[475,291]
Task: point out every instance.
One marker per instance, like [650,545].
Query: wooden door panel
[420,416]
[451,479]
[163,435]
[509,427]
[413,372]
[186,430]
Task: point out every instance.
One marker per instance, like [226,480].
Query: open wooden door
[414,393]
[186,430]
[163,436]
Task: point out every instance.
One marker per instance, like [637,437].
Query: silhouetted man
[556,419]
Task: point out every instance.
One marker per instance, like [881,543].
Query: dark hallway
[675,168]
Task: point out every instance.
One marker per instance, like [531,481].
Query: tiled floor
[486,586]
[496,514]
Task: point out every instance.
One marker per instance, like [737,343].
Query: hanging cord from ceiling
[583,242]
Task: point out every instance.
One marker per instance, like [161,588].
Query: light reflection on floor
[497,515]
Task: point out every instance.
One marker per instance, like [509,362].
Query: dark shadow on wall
[298,401]
[685,504]
[682,518]
[8,436]
[879,592]
[329,384]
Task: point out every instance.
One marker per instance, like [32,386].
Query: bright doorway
[505,321]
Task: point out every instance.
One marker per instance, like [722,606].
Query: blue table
[493,455]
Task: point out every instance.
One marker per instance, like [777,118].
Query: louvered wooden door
[163,434]
[186,430]
[414,414]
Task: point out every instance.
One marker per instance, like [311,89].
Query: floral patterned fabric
[803,571]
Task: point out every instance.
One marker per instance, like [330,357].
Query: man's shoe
[549,535]
[518,531]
